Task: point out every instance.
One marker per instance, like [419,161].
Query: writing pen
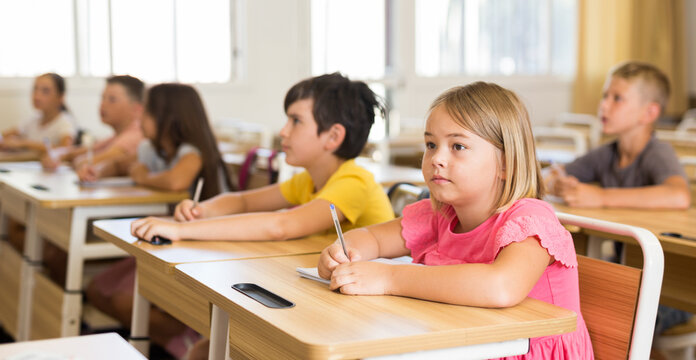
[337,224]
[197,194]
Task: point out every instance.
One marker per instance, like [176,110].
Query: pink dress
[429,236]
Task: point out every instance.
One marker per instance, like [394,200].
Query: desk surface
[60,190]
[326,324]
[656,221]
[101,346]
[166,256]
[19,155]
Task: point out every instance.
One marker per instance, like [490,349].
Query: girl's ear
[336,135]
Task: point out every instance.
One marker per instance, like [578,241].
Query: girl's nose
[439,159]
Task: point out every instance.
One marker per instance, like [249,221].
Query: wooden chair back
[608,301]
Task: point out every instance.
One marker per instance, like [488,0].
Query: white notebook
[313,273]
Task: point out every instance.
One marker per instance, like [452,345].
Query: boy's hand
[362,278]
[139,172]
[332,256]
[49,163]
[186,212]
[148,227]
[577,194]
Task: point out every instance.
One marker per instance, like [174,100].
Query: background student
[180,148]
[329,119]
[53,123]
[637,170]
[491,240]
[121,108]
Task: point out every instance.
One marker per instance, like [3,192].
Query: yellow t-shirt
[352,189]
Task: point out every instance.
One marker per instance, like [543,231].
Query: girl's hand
[139,172]
[333,256]
[362,278]
[148,227]
[49,163]
[186,212]
[87,173]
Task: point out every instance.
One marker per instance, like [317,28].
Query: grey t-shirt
[148,156]
[653,166]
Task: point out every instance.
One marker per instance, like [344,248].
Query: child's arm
[503,283]
[673,193]
[381,240]
[178,178]
[300,221]
[267,198]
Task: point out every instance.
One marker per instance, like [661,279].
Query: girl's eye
[430,145]
[617,98]
[458,147]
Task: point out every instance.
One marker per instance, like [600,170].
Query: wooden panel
[13,205]
[678,285]
[47,309]
[608,299]
[173,297]
[54,224]
[10,265]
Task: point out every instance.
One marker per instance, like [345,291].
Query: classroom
[347,179]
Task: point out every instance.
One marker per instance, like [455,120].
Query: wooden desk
[325,324]
[107,346]
[19,155]
[155,266]
[678,285]
[54,207]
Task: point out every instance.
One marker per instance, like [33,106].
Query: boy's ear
[652,112]
[335,136]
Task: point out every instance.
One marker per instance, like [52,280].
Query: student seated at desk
[121,108]
[637,170]
[179,149]
[491,240]
[53,125]
[329,119]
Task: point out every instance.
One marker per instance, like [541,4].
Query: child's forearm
[467,284]
[225,204]
[648,197]
[364,241]
[242,227]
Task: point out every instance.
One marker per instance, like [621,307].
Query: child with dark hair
[329,118]
[53,125]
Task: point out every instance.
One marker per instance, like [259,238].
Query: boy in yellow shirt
[329,119]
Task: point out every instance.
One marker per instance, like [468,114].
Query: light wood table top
[107,346]
[60,189]
[19,155]
[164,257]
[656,221]
[326,324]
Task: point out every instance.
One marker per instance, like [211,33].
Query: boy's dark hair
[338,100]
[135,88]
[180,117]
[59,82]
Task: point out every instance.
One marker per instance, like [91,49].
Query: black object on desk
[678,236]
[159,240]
[263,296]
[40,187]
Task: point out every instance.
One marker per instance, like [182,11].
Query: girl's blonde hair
[498,116]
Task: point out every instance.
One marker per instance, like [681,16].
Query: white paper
[108,182]
[313,273]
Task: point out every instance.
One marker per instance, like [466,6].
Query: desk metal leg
[33,248]
[140,321]
[219,327]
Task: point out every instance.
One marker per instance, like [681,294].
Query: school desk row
[55,207]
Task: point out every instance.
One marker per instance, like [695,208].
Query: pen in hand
[197,194]
[337,224]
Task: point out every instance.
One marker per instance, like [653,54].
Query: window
[156,40]
[495,37]
[349,36]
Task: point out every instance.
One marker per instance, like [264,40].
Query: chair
[619,303]
[688,122]
[588,124]
[402,194]
[558,145]
[679,341]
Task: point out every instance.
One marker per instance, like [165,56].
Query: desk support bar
[140,321]
[219,327]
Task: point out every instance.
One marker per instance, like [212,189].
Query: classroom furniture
[155,282]
[678,286]
[558,144]
[19,155]
[588,124]
[619,303]
[679,342]
[323,324]
[688,122]
[402,194]
[107,346]
[54,207]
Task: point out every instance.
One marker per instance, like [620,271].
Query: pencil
[197,194]
[337,224]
